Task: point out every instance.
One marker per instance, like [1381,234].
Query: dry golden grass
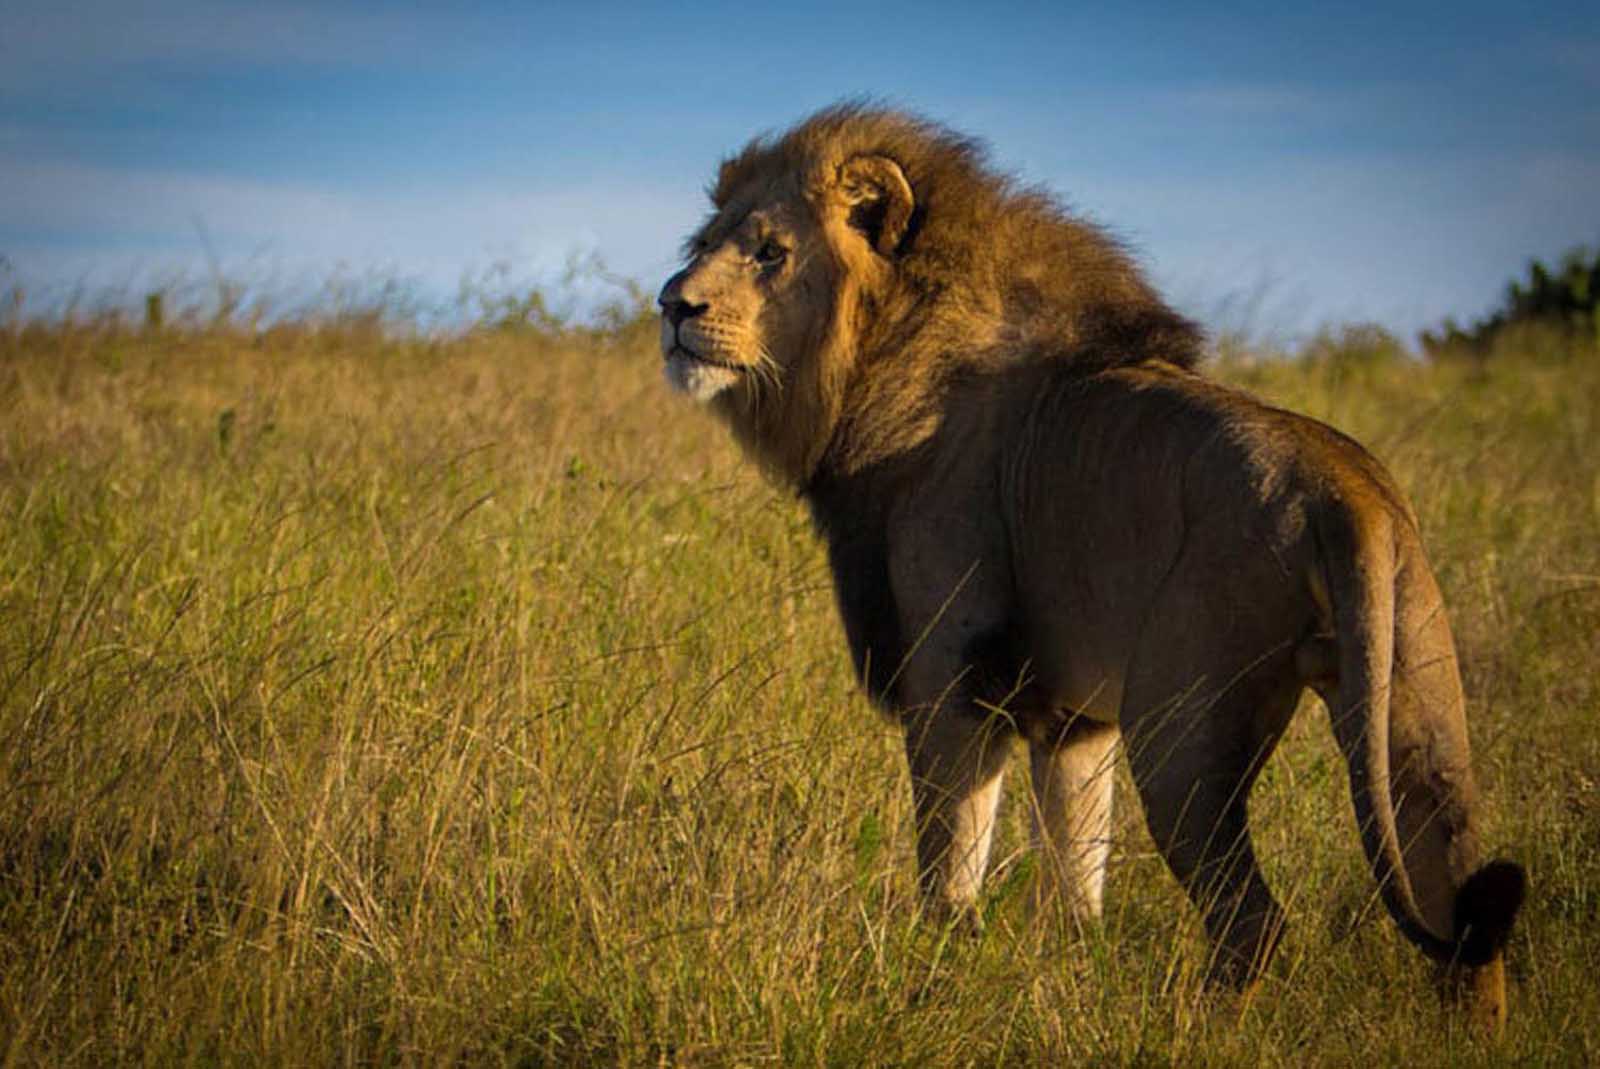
[408,701]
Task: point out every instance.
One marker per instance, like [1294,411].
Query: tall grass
[384,698]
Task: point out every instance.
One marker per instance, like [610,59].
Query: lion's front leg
[957,758]
[957,678]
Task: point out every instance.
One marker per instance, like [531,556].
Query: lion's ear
[878,198]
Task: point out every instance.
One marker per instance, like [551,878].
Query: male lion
[1043,522]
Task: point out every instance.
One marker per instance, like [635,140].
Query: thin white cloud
[1322,241]
[114,225]
[1261,243]
[58,47]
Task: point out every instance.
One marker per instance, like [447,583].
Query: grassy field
[373,700]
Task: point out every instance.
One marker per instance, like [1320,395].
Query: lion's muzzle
[692,350]
[675,308]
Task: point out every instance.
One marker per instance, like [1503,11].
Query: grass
[381,699]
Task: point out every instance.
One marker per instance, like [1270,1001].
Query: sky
[1276,168]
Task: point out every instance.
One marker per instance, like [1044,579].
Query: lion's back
[1188,478]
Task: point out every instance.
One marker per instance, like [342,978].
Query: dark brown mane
[1057,287]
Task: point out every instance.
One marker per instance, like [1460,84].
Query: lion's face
[761,323]
[746,309]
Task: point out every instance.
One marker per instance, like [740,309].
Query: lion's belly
[1083,682]
[1085,604]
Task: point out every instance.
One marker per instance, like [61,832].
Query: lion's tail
[1400,722]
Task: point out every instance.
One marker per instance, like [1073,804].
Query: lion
[1044,522]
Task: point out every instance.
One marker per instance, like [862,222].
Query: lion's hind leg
[1072,777]
[1194,758]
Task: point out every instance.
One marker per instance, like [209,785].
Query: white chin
[699,380]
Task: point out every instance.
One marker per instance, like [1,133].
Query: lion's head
[855,262]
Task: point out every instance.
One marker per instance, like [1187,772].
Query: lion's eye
[770,253]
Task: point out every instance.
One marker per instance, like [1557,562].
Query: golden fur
[1042,522]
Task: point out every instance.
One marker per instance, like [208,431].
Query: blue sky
[1276,167]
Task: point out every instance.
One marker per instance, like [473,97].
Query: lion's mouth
[680,350]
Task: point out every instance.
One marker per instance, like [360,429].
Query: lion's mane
[989,273]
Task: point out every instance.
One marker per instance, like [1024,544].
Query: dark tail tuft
[1485,907]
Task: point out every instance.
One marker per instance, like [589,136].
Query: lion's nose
[672,302]
[676,309]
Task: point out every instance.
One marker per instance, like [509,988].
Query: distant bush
[586,305]
[1555,312]
[590,304]
[1353,345]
